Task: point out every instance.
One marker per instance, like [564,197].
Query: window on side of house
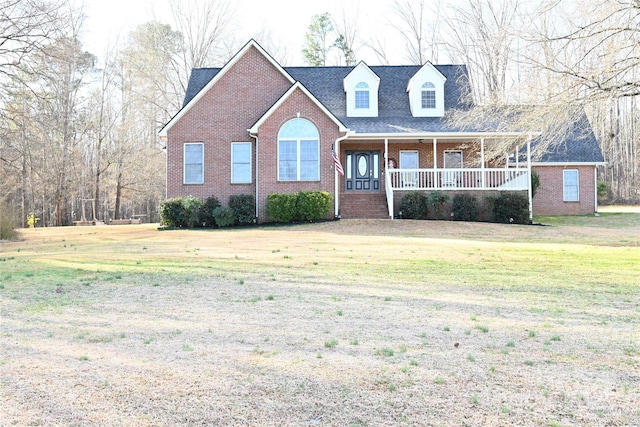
[240,162]
[362,95]
[570,185]
[428,95]
[298,151]
[193,166]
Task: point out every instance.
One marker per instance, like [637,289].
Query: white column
[482,160]
[435,164]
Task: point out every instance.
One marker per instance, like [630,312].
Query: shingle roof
[394,114]
[579,145]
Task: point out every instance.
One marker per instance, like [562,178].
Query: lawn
[348,323]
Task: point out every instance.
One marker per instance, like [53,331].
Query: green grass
[558,280]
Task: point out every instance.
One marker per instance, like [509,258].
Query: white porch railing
[456,179]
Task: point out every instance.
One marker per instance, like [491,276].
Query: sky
[286,20]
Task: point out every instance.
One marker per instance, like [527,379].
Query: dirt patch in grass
[342,323]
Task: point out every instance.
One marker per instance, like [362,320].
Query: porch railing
[456,179]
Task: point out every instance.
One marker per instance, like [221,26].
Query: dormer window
[362,95]
[361,91]
[426,92]
[428,95]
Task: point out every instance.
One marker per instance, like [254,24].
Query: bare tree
[605,46]
[206,28]
[482,33]
[26,26]
[411,26]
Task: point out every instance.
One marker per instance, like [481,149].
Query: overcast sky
[286,20]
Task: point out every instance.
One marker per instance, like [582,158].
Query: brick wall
[549,196]
[223,115]
[296,105]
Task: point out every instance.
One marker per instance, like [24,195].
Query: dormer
[426,92]
[361,88]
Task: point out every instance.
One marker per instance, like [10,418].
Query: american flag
[336,160]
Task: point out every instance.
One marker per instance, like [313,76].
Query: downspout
[529,178]
[255,164]
[336,178]
[595,188]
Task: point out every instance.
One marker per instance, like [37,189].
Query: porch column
[529,177]
[436,181]
[386,154]
[482,160]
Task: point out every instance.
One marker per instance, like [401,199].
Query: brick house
[255,127]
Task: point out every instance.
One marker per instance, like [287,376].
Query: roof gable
[297,86]
[200,86]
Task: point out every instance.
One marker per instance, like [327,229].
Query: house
[255,127]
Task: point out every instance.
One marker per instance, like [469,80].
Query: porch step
[363,206]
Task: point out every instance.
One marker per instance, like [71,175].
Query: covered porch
[453,164]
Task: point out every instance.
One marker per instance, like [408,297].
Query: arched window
[428,95]
[298,151]
[362,95]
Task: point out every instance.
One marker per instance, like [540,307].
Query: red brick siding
[222,116]
[549,196]
[296,104]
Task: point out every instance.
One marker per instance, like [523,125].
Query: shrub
[465,207]
[7,223]
[535,182]
[224,216]
[437,199]
[313,205]
[282,207]
[511,207]
[243,207]
[206,217]
[180,212]
[414,205]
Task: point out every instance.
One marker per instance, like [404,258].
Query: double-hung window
[193,163]
[240,162]
[428,95]
[298,151]
[570,185]
[362,95]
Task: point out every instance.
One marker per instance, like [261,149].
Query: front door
[363,170]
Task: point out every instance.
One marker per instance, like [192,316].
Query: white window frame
[184,163]
[428,88]
[234,162]
[361,95]
[566,196]
[409,179]
[299,140]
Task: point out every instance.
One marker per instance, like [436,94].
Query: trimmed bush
[465,207]
[206,218]
[243,207]
[414,205]
[224,216]
[180,212]
[313,205]
[282,207]
[510,207]
[437,199]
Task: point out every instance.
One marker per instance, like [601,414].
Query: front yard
[338,323]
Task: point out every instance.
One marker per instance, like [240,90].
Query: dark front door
[363,170]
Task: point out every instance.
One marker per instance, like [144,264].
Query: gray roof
[578,145]
[394,114]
